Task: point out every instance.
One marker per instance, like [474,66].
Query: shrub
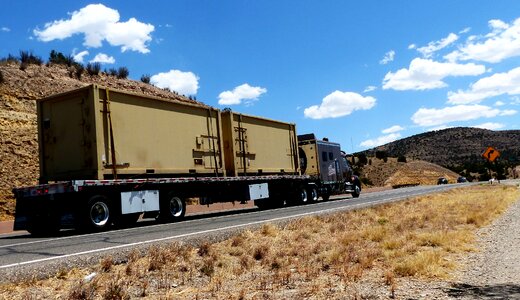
[79,69]
[112,72]
[362,159]
[381,154]
[122,72]
[1,77]
[10,59]
[93,68]
[145,78]
[60,59]
[401,158]
[28,58]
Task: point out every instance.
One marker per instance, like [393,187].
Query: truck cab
[327,165]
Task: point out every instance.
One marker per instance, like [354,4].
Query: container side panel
[268,146]
[162,137]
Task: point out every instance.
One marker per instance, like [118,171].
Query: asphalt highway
[18,250]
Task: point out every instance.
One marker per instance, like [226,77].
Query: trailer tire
[312,193]
[172,208]
[98,216]
[302,197]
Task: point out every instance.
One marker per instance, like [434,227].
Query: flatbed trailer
[94,205]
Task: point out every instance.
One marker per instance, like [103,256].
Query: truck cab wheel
[357,191]
[172,208]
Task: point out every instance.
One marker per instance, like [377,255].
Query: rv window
[324,156]
[331,157]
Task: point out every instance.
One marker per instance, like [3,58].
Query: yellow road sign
[491,154]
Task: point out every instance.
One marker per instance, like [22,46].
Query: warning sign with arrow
[491,154]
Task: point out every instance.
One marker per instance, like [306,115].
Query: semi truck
[109,157]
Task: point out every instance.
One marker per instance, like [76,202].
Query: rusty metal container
[97,133]
[254,145]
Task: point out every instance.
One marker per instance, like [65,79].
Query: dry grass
[315,257]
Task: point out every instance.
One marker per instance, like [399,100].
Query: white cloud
[465,30]
[5,29]
[515,100]
[370,88]
[104,59]
[392,129]
[425,74]
[80,56]
[240,93]
[427,117]
[500,103]
[389,56]
[502,42]
[385,139]
[432,47]
[339,104]
[185,83]
[494,85]
[99,23]
[412,46]
[490,126]
[508,112]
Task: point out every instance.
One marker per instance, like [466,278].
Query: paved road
[18,250]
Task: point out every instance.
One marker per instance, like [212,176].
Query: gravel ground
[493,272]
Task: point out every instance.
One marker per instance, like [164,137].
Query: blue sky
[361,73]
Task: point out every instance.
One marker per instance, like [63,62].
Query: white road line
[191,234]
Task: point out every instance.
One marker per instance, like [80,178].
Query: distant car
[462,179]
[442,180]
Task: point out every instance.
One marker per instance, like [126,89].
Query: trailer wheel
[98,213]
[172,208]
[312,193]
[302,197]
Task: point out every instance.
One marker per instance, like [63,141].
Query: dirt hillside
[392,173]
[19,91]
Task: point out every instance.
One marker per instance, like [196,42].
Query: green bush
[145,78]
[93,69]
[112,72]
[381,154]
[401,158]
[79,70]
[10,59]
[122,72]
[28,58]
[60,59]
[1,77]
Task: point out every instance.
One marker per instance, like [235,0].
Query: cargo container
[109,157]
[94,133]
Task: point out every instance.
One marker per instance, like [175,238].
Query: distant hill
[456,148]
[391,173]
